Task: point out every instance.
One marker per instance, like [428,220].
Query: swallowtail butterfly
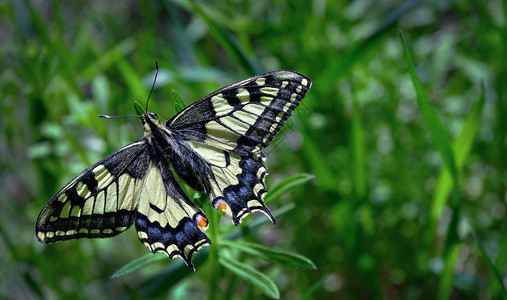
[214,145]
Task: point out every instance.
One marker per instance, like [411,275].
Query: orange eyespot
[202,221]
[221,206]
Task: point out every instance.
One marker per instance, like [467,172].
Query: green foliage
[406,148]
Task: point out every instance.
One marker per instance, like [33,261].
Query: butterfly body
[214,145]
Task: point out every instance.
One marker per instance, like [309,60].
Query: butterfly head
[150,121]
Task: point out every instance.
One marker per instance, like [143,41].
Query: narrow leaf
[286,184]
[177,271]
[230,45]
[494,271]
[179,105]
[252,276]
[137,264]
[358,152]
[443,144]
[139,109]
[360,52]
[430,116]
[461,146]
[284,258]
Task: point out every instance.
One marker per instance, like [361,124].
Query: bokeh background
[379,220]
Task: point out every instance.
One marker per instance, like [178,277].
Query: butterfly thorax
[173,147]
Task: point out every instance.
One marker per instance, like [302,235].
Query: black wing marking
[100,202]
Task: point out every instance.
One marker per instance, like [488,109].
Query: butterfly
[213,145]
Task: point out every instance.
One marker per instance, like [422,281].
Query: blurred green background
[381,219]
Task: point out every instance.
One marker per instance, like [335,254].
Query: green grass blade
[137,264]
[284,258]
[461,146]
[443,144]
[174,97]
[494,271]
[252,276]
[359,178]
[158,285]
[358,152]
[132,80]
[231,46]
[317,160]
[105,61]
[501,261]
[431,120]
[359,53]
[286,184]
[139,109]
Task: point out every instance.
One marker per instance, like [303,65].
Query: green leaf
[359,178]
[286,184]
[104,61]
[176,271]
[431,120]
[461,146]
[225,39]
[494,271]
[252,276]
[443,144]
[284,258]
[137,264]
[358,152]
[179,105]
[360,52]
[139,109]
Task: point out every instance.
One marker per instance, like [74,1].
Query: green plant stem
[214,220]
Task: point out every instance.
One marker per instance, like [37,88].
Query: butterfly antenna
[118,117]
[153,86]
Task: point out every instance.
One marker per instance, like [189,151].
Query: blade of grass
[358,152]
[461,146]
[179,105]
[137,263]
[139,110]
[443,144]
[431,120]
[252,276]
[132,80]
[360,52]
[230,45]
[494,271]
[286,184]
[158,285]
[107,59]
[501,261]
[317,160]
[359,179]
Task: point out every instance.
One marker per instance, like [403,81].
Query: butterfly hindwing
[166,220]
[99,202]
[235,184]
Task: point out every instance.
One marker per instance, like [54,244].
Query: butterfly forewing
[99,202]
[244,117]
